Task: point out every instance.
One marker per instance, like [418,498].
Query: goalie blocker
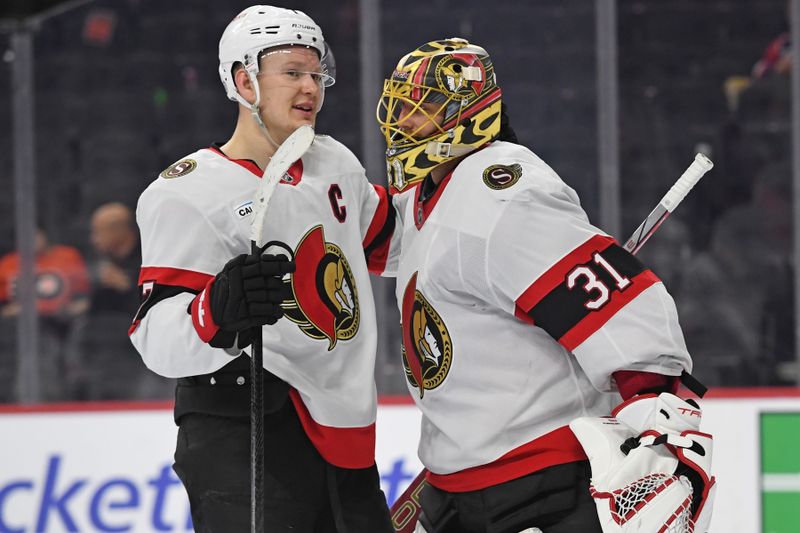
[650,465]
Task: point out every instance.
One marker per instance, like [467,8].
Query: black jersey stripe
[562,308]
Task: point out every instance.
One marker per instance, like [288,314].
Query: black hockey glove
[247,293]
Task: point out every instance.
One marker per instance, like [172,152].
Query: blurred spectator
[757,132]
[115,268]
[720,304]
[62,286]
[776,59]
[110,367]
[728,290]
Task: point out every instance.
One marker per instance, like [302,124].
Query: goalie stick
[406,508]
[287,153]
[669,202]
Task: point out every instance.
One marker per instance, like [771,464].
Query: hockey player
[518,315]
[203,293]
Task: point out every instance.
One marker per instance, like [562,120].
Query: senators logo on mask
[325,301]
[427,347]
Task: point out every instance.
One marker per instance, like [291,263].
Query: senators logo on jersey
[500,177]
[181,168]
[427,347]
[325,300]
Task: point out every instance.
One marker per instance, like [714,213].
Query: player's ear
[243,84]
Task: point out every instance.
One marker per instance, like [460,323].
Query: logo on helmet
[457,71]
[500,177]
[325,301]
[427,348]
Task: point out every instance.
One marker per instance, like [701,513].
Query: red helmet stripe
[419,77]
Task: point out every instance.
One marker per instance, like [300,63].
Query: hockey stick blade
[669,202]
[284,157]
[287,153]
[406,508]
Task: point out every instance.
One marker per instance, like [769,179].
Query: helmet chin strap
[251,67]
[255,112]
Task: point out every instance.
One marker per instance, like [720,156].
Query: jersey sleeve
[549,266]
[178,259]
[380,228]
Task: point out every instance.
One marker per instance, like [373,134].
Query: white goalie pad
[662,484]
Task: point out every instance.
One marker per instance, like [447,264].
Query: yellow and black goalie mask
[451,84]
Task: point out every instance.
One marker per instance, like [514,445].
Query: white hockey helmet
[260,27]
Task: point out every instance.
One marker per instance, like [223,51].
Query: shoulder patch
[181,168]
[500,177]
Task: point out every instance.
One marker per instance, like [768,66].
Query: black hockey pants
[555,500]
[303,493]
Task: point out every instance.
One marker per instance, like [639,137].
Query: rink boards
[106,467]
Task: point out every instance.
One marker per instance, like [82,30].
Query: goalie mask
[452,84]
[259,28]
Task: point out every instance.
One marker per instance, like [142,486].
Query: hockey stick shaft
[406,508]
[287,153]
[669,202]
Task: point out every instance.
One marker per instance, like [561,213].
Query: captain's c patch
[500,177]
[181,168]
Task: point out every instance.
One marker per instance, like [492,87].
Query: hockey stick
[406,508]
[287,153]
[669,202]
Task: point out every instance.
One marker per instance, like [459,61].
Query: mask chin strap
[440,149]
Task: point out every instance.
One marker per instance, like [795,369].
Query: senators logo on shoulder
[325,303]
[427,346]
[500,177]
[181,168]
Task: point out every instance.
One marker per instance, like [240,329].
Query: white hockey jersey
[515,313]
[326,215]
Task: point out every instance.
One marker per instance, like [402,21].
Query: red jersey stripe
[244,163]
[342,447]
[379,218]
[377,257]
[174,276]
[557,447]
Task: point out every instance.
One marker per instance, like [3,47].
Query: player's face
[420,121]
[291,85]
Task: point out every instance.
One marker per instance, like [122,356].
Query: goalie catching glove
[650,466]
[247,293]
